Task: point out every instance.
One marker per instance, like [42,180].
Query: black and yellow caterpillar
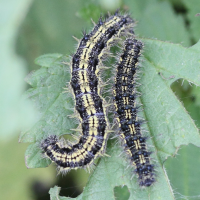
[85,78]
[127,109]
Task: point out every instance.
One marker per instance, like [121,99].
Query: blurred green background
[33,28]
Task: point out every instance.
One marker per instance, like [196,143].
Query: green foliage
[193,17]
[15,113]
[158,20]
[49,27]
[168,123]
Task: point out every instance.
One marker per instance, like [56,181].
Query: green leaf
[169,118]
[33,157]
[46,60]
[54,194]
[193,17]
[168,122]
[183,172]
[50,98]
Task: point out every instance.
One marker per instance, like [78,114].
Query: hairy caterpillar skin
[85,82]
[126,110]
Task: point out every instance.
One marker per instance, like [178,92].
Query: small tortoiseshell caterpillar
[85,82]
[127,112]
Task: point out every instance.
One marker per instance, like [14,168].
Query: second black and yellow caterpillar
[125,95]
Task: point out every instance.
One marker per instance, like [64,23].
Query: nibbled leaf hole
[188,94]
[121,192]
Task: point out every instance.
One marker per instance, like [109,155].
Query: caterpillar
[127,112]
[86,65]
